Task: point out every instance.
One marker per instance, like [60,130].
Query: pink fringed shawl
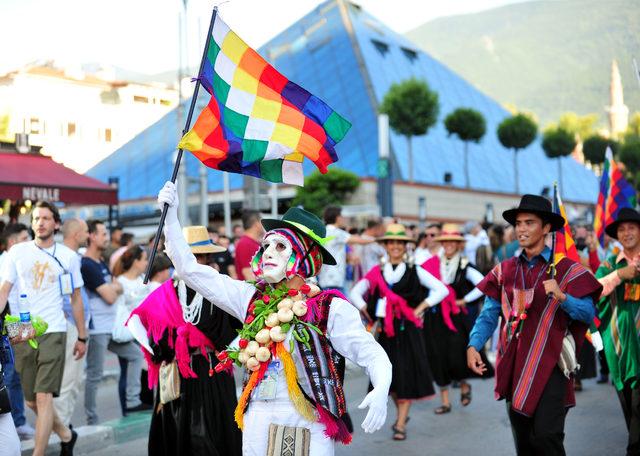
[397,306]
[448,305]
[160,312]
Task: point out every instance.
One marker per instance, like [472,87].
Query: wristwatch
[83,339]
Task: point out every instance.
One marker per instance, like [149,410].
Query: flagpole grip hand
[551,288]
[169,195]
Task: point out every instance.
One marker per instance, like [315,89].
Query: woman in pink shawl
[398,293]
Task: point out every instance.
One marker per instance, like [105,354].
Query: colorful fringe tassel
[300,403]
[254,379]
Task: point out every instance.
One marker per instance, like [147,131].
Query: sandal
[399,435]
[442,409]
[465,398]
[394,426]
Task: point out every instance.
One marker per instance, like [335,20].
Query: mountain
[547,57]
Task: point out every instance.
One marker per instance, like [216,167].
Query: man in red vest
[544,322]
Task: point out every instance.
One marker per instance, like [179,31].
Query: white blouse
[437,290]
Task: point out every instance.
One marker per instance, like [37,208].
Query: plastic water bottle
[25,316]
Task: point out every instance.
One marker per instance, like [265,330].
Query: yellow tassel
[244,398]
[304,408]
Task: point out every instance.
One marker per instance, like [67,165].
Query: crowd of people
[436,303]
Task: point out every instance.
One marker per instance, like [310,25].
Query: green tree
[629,154]
[516,133]
[634,125]
[595,147]
[322,190]
[469,125]
[412,108]
[581,126]
[558,143]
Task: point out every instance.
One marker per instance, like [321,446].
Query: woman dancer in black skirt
[447,328]
[200,421]
[396,294]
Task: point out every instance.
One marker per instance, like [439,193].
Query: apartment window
[140,99]
[164,102]
[71,129]
[410,54]
[381,47]
[107,135]
[35,127]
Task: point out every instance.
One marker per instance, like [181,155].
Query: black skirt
[200,421]
[407,352]
[447,350]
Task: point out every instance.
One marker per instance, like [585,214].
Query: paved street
[594,427]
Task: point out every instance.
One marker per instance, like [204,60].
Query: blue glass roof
[320,54]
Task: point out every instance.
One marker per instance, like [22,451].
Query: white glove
[169,194]
[376,400]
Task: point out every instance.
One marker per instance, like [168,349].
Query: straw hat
[395,232]
[198,239]
[450,232]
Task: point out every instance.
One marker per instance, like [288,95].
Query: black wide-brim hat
[539,205]
[306,224]
[626,214]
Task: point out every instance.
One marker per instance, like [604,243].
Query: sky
[143,35]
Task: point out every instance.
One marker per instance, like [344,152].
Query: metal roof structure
[349,59]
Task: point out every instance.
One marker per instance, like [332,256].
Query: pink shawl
[448,304]
[160,312]
[397,306]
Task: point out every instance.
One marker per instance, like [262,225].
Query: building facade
[79,118]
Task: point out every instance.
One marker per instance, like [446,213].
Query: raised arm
[232,296]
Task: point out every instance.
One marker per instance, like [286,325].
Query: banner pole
[194,98]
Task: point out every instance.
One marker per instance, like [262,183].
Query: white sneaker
[25,432]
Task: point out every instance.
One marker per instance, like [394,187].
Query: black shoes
[140,408]
[66,448]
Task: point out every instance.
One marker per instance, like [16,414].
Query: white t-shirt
[36,273]
[335,276]
[13,294]
[133,291]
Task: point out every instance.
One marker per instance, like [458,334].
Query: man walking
[335,277]
[619,311]
[103,293]
[13,234]
[248,244]
[74,235]
[544,322]
[46,272]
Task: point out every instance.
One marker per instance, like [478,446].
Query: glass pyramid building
[348,58]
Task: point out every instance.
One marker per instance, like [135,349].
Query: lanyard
[52,255]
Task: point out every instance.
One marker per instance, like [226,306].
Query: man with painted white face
[294,338]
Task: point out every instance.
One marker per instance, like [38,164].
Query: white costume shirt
[344,329]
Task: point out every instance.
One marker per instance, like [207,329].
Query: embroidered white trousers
[260,414]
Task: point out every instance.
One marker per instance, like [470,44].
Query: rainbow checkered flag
[259,123]
[615,193]
[564,247]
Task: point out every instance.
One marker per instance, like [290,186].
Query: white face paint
[277,251]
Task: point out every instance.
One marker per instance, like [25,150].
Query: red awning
[36,177]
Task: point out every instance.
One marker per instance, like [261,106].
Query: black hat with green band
[306,224]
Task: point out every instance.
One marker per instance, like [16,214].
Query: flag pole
[554,235]
[187,125]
